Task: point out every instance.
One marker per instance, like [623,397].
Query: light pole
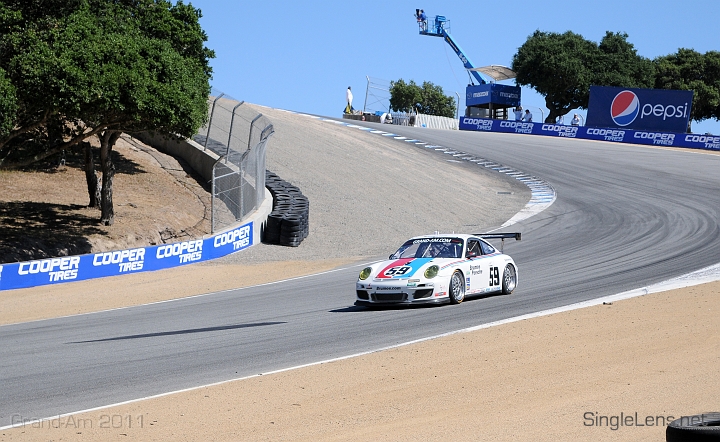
[457,109]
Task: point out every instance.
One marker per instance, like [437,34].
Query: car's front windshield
[435,247]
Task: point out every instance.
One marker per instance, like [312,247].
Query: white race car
[439,269]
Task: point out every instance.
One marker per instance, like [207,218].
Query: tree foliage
[562,67]
[8,104]
[428,99]
[557,66]
[81,68]
[690,70]
[618,64]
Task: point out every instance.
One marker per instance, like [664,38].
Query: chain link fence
[377,95]
[238,135]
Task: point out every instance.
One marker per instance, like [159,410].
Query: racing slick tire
[509,281]
[457,288]
[700,427]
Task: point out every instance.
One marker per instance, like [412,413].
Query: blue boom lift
[441,28]
[487,98]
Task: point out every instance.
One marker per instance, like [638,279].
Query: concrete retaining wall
[202,161]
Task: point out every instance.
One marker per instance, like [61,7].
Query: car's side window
[487,248]
[473,248]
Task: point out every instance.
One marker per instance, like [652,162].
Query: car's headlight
[431,272]
[365,273]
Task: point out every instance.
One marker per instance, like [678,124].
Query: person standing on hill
[349,98]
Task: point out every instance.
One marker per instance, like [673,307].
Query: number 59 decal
[397,271]
[494,276]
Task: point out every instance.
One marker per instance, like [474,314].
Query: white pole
[457,108]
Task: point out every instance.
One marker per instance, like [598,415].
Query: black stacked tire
[695,428]
[288,223]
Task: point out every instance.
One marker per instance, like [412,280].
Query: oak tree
[428,99]
[562,67]
[690,70]
[100,68]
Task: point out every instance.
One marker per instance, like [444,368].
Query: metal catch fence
[238,135]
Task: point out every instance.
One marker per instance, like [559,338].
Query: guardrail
[120,262]
[693,141]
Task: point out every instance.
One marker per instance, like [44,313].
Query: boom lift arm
[439,28]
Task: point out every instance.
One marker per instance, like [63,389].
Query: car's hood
[406,267]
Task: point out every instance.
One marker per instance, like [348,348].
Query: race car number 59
[398,270]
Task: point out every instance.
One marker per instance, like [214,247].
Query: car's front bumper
[400,292]
[364,303]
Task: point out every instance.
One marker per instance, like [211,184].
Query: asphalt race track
[625,217]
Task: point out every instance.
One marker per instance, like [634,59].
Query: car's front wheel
[509,279]
[457,288]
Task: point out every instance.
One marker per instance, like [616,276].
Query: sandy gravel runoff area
[611,372]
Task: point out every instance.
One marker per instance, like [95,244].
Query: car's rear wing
[500,236]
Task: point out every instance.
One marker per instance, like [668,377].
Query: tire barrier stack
[695,428]
[288,223]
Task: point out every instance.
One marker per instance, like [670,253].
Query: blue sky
[302,56]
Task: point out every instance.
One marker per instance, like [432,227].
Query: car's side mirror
[471,255]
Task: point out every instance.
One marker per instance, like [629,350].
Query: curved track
[625,217]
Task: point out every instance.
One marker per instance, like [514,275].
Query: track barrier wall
[121,262]
[674,139]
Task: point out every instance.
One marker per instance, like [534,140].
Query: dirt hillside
[44,213]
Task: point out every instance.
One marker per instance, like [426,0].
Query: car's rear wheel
[457,288]
[509,281]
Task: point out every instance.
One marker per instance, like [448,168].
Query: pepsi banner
[121,262]
[656,138]
[639,109]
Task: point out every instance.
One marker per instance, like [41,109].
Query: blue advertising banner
[639,109]
[693,141]
[496,93]
[120,262]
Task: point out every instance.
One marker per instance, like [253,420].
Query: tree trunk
[553,115]
[107,141]
[91,178]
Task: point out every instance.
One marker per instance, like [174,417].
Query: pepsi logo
[625,108]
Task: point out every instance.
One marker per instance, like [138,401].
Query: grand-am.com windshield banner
[121,262]
[694,141]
